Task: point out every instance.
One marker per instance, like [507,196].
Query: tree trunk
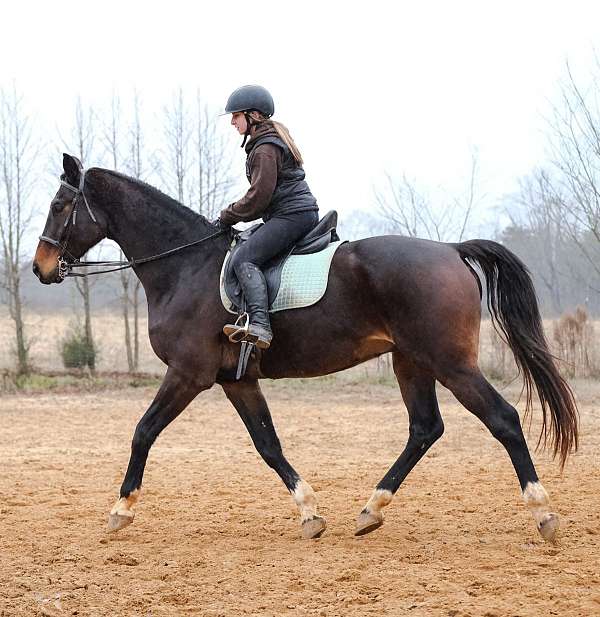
[125,307]
[16,182]
[89,338]
[136,326]
[22,349]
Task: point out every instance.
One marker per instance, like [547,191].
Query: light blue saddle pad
[303,280]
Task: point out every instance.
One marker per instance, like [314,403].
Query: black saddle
[316,240]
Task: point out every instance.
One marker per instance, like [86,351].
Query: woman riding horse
[278,194]
[417,299]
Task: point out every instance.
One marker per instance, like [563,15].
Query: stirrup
[238,331]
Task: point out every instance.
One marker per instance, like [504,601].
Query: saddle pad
[303,280]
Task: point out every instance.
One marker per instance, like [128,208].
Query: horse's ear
[72,167]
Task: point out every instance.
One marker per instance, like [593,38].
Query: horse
[417,299]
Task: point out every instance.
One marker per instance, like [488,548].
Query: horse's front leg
[250,404]
[176,392]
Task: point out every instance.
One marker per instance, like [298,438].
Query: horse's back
[410,267]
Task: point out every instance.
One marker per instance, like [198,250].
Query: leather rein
[65,268]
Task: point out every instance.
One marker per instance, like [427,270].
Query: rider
[278,194]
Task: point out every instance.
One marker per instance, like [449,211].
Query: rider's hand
[221,224]
[228,217]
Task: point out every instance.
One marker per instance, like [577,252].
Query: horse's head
[72,227]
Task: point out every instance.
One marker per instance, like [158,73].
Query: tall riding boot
[254,287]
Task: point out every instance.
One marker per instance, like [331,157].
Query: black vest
[291,192]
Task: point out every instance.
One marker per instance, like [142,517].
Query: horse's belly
[313,358]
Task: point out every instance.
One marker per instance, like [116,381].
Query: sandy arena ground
[217,534]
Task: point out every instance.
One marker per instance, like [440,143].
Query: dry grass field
[216,534]
[46,331]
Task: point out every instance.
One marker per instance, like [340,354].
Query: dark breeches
[276,236]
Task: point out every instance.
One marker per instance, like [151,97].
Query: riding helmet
[247,98]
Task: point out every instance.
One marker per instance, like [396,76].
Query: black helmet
[251,97]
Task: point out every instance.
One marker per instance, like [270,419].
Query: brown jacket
[266,164]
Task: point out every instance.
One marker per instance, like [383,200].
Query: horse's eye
[57,206]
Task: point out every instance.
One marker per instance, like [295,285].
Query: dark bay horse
[417,299]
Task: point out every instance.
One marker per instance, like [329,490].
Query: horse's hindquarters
[384,294]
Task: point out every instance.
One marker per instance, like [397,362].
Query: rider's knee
[240,266]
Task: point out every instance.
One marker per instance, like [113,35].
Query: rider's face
[238,119]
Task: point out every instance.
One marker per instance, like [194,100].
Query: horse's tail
[513,306]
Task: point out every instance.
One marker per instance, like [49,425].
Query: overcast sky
[408,87]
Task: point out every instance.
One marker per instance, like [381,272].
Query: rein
[123,265]
[65,268]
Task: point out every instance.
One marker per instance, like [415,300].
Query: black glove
[221,224]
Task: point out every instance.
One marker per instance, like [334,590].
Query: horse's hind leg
[250,404]
[425,427]
[472,389]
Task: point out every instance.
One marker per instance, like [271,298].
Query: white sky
[409,87]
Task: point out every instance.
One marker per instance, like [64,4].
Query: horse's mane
[163,199]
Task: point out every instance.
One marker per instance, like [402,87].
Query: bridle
[65,268]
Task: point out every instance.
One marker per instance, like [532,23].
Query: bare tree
[175,169]
[410,211]
[468,201]
[81,142]
[135,160]
[549,230]
[403,207]
[112,138]
[136,168]
[112,130]
[214,179]
[196,160]
[127,281]
[17,157]
[575,146]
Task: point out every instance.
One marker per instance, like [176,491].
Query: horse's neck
[144,225]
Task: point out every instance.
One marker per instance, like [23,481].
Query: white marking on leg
[379,499]
[306,501]
[124,506]
[536,499]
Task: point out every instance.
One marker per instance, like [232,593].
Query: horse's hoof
[313,528]
[367,522]
[548,527]
[118,521]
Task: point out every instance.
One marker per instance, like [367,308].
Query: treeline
[563,278]
[554,216]
[180,147]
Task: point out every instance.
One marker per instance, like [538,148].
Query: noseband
[70,222]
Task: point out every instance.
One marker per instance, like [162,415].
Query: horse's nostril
[36,269]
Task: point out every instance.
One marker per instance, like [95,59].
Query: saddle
[317,240]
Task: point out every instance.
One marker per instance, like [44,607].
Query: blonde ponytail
[283,133]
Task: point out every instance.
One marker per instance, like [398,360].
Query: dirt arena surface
[217,534]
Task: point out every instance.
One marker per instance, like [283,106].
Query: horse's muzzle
[47,279]
[46,264]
